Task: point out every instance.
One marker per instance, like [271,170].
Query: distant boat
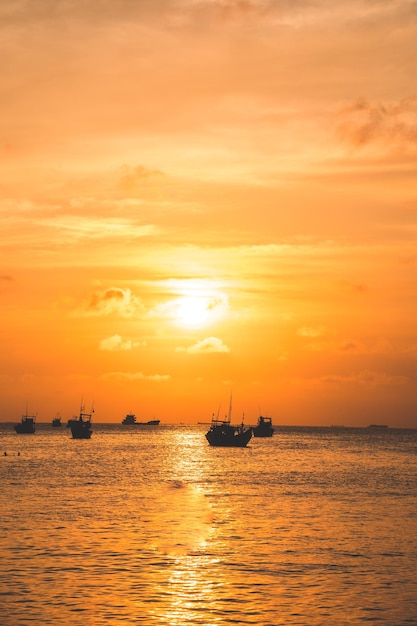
[130,420]
[264,427]
[27,425]
[222,434]
[378,426]
[81,426]
[56,422]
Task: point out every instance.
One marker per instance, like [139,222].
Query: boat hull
[81,431]
[263,432]
[223,439]
[22,429]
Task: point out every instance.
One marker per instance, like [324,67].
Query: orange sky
[199,196]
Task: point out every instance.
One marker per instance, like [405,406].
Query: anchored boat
[26,425]
[81,426]
[56,422]
[222,434]
[264,427]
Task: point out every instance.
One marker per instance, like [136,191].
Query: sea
[152,526]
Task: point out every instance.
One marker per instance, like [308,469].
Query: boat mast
[230,409]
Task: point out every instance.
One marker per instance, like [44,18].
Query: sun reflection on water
[192,591]
[184,519]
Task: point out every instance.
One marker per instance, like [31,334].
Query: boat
[264,427]
[56,422]
[222,434]
[81,426]
[130,420]
[26,425]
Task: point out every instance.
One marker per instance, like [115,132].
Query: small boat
[56,422]
[81,426]
[264,427]
[130,420]
[222,434]
[27,425]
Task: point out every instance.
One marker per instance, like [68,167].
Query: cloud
[112,301]
[210,344]
[306,331]
[349,346]
[115,342]
[127,376]
[392,124]
[133,176]
[94,227]
[353,288]
[366,378]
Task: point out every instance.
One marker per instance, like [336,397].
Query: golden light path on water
[187,517]
[184,513]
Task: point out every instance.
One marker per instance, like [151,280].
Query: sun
[197,310]
[193,310]
[196,304]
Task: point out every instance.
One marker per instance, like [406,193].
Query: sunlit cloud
[94,228]
[210,344]
[128,376]
[112,301]
[391,124]
[116,342]
[50,227]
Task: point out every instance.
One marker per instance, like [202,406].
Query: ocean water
[155,527]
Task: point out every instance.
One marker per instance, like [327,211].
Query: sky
[201,198]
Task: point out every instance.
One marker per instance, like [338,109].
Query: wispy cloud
[96,228]
[210,344]
[308,331]
[126,376]
[366,378]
